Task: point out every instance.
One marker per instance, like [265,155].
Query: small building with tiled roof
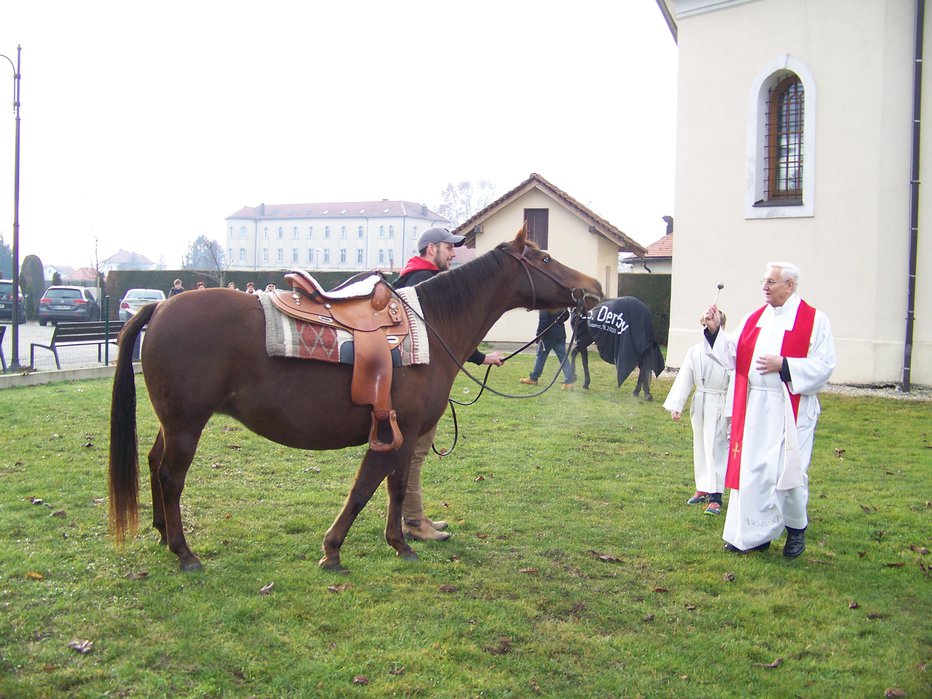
[659,257]
[80,276]
[124,259]
[577,237]
[329,236]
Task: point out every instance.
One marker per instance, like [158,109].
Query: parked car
[6,302]
[134,299]
[68,303]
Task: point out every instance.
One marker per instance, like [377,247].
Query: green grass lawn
[575,567]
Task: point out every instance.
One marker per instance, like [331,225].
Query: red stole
[795,344]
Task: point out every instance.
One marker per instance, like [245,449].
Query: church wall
[852,249]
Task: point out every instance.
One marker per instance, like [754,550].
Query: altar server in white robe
[783,354]
[708,373]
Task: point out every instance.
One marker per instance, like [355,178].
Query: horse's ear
[521,239]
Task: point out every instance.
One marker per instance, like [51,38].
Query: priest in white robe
[708,373]
[783,354]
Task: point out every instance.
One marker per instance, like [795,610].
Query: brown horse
[205,353]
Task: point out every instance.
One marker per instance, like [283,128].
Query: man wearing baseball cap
[436,248]
[436,252]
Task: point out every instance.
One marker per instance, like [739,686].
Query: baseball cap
[438,235]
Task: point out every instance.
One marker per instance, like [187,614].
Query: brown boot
[439,525]
[420,530]
[528,381]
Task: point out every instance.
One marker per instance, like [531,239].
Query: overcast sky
[145,125]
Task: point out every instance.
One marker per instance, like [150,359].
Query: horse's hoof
[332,566]
[194,566]
[409,556]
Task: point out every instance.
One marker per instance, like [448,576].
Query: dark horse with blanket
[205,353]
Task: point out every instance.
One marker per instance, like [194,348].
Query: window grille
[784,156]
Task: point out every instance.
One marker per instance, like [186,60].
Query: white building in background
[330,236]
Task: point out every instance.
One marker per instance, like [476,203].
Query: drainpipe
[913,200]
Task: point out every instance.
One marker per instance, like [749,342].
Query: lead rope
[484,383]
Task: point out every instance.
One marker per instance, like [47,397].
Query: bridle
[578,295]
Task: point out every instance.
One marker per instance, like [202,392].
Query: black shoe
[795,542]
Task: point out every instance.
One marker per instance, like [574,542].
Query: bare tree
[460,201]
[206,255]
[6,259]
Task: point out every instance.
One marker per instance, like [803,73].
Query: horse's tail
[124,456]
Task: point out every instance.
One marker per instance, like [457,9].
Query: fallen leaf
[342,587]
[480,478]
[894,692]
[360,679]
[36,501]
[448,587]
[865,508]
[684,677]
[82,646]
[138,575]
[480,535]
[33,575]
[234,446]
[397,670]
[894,565]
[648,618]
[215,465]
[503,647]
[444,504]
[88,445]
[660,589]
[861,554]
[529,571]
[59,513]
[877,615]
[454,558]
[608,558]
[98,501]
[839,452]
[266,589]
[690,607]
[534,686]
[774,665]
[922,550]
[853,605]
[728,577]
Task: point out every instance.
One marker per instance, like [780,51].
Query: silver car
[134,299]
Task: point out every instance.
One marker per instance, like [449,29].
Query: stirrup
[376,444]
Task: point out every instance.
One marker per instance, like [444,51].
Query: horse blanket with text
[624,333]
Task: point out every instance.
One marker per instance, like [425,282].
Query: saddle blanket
[289,337]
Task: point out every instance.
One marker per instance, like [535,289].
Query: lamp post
[14,358]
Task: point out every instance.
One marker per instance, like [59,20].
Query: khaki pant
[412,509]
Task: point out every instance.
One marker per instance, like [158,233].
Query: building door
[538,226]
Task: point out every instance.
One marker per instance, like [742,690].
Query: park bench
[98,333]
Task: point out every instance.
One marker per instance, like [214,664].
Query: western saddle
[365,306]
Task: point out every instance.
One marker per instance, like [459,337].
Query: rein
[578,295]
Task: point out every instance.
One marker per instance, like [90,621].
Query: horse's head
[551,283]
